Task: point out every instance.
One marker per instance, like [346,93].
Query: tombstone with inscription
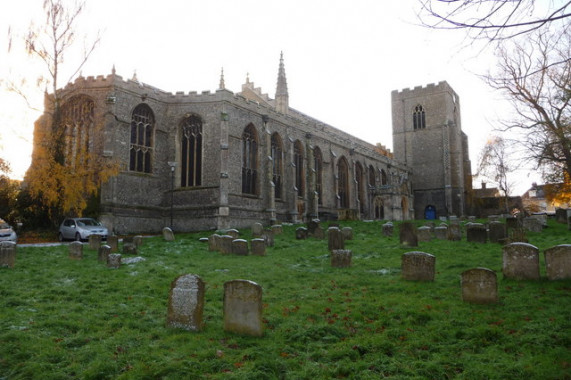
[243,307]
[94,241]
[341,258]
[75,250]
[388,229]
[7,254]
[558,262]
[240,247]
[441,233]
[114,260]
[520,261]
[408,234]
[213,242]
[477,233]
[336,239]
[424,234]
[258,247]
[186,303]
[498,232]
[418,266]
[103,252]
[168,235]
[225,244]
[479,285]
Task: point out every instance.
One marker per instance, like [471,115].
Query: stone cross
[186,303]
[558,262]
[479,285]
[7,254]
[521,261]
[418,266]
[75,250]
[243,307]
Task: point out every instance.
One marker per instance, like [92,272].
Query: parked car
[80,229]
[7,233]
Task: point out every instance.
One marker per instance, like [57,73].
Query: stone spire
[282,97]
[221,86]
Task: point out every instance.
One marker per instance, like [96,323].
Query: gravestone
[558,262]
[388,229]
[517,235]
[213,242]
[186,303]
[277,229]
[203,240]
[561,215]
[542,219]
[129,249]
[168,235]
[94,241]
[418,266]
[8,254]
[347,233]
[532,224]
[240,247]
[233,232]
[103,252]
[301,233]
[113,242]
[312,226]
[258,247]
[319,233]
[257,229]
[138,240]
[341,258]
[431,225]
[225,244]
[569,219]
[114,260]
[441,233]
[498,232]
[476,232]
[408,235]
[493,218]
[512,222]
[479,285]
[424,234]
[520,261]
[128,240]
[243,307]
[75,250]
[268,236]
[336,240]
[455,232]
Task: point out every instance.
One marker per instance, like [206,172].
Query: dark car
[80,229]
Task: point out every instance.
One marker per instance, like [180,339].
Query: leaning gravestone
[114,260]
[455,232]
[479,285]
[225,244]
[336,239]
[476,232]
[257,229]
[520,261]
[243,307]
[558,262]
[301,233]
[424,234]
[240,247]
[113,242]
[168,235]
[213,242]
[418,266]
[347,233]
[258,247]
[103,252]
[498,232]
[7,254]
[388,229]
[94,241]
[75,250]
[441,233]
[186,303]
[408,235]
[341,258]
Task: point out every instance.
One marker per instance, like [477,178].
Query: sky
[342,60]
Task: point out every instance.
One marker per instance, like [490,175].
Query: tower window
[418,118]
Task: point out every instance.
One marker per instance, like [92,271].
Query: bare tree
[535,75]
[493,20]
[495,165]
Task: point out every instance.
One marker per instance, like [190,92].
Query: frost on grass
[384,271]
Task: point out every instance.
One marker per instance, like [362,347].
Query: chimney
[483,185]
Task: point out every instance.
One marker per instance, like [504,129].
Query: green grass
[66,319]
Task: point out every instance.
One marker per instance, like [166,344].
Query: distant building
[489,201]
[535,200]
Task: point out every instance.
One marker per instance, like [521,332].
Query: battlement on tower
[422,90]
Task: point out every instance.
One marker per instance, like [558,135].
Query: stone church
[213,160]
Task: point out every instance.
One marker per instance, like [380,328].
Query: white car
[7,233]
[80,229]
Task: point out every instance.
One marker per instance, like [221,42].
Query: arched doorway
[430,212]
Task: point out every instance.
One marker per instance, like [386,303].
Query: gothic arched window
[384,177]
[360,187]
[318,166]
[191,152]
[142,125]
[372,179]
[418,118]
[277,162]
[299,171]
[249,160]
[77,119]
[343,182]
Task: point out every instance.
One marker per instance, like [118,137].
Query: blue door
[430,213]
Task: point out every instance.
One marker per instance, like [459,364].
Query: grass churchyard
[66,317]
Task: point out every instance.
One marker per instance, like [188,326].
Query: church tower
[282,96]
[428,137]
